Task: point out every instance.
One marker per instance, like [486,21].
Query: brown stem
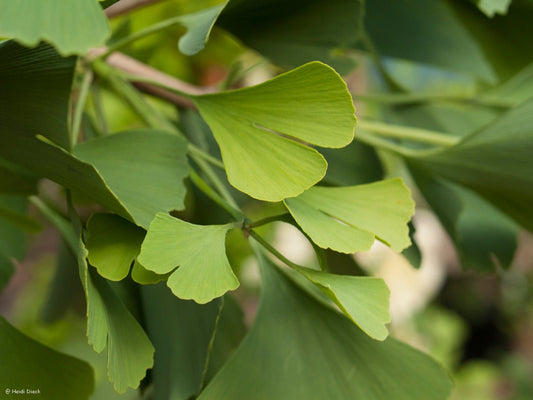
[136,68]
[125,6]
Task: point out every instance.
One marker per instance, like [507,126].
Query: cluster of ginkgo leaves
[317,334]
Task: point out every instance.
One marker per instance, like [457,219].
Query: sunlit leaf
[72,30]
[260,130]
[29,365]
[494,161]
[199,27]
[348,219]
[364,300]
[113,244]
[200,252]
[493,7]
[299,349]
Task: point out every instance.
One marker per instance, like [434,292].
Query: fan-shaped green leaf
[113,244]
[364,300]
[494,161]
[143,168]
[29,365]
[492,7]
[138,172]
[200,252]
[348,219]
[72,29]
[298,348]
[199,25]
[260,129]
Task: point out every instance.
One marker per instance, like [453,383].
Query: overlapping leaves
[304,346]
[260,130]
[494,161]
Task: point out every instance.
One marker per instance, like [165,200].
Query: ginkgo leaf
[138,173]
[29,365]
[494,161]
[180,357]
[260,129]
[143,276]
[198,251]
[72,29]
[199,25]
[293,33]
[113,244]
[145,169]
[348,219]
[297,348]
[364,300]
[129,350]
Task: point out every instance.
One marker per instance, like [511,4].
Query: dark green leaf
[181,331]
[292,33]
[29,365]
[494,161]
[300,349]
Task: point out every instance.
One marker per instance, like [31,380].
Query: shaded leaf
[364,300]
[36,87]
[293,33]
[229,332]
[72,30]
[312,352]
[199,25]
[109,322]
[113,244]
[483,235]
[494,161]
[12,240]
[200,252]
[28,364]
[143,276]
[426,32]
[257,129]
[14,181]
[348,219]
[144,168]
[181,331]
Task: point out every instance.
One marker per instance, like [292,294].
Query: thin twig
[151,80]
[124,6]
